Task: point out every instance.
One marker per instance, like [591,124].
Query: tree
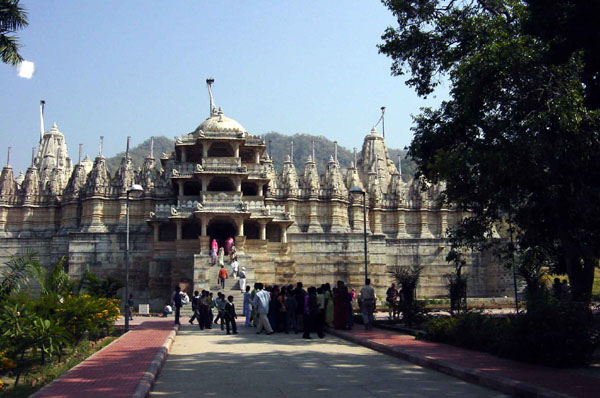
[12,18]
[518,141]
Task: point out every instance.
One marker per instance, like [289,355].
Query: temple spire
[8,157]
[355,165]
[127,149]
[32,156]
[400,164]
[100,148]
[292,151]
[313,150]
[151,147]
[80,151]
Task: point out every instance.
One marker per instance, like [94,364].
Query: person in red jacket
[222,276]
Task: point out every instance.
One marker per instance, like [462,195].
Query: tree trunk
[581,275]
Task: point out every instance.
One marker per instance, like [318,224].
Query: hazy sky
[138,68]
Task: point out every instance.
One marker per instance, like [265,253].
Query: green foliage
[407,279]
[106,288]
[550,332]
[48,336]
[18,272]
[45,324]
[518,142]
[85,314]
[12,18]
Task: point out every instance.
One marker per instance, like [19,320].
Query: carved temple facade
[219,182]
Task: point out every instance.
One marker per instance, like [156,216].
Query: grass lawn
[35,376]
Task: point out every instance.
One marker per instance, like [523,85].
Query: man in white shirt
[234,268]
[367,299]
[261,301]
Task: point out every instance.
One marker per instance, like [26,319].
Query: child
[230,315]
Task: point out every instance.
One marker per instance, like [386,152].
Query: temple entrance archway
[221,230]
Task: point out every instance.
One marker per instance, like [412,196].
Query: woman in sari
[221,255]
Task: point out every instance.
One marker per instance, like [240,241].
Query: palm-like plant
[12,18]
[19,270]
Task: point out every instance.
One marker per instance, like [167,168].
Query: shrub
[87,314]
[550,332]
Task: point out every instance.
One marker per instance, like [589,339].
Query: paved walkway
[210,363]
[506,375]
[117,369]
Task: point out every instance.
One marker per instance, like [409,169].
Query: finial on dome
[373,130]
[331,159]
[287,158]
[220,112]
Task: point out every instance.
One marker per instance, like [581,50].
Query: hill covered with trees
[278,145]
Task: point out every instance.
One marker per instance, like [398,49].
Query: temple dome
[219,123]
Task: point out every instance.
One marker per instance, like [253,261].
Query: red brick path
[504,374]
[116,370]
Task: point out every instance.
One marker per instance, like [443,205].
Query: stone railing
[254,141]
[221,197]
[221,133]
[184,170]
[223,165]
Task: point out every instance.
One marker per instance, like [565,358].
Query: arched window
[249,189]
[251,230]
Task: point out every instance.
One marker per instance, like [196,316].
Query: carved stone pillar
[180,185]
[339,217]
[401,225]
[205,148]
[263,230]
[156,232]
[178,223]
[283,234]
[291,206]
[260,189]
[377,227]
[313,221]
[257,157]
[236,150]
[203,226]
[425,232]
[240,226]
[183,154]
[444,224]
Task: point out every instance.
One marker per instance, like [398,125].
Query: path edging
[39,392]
[499,383]
[142,390]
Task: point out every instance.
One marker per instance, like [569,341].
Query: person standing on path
[230,315]
[367,298]
[261,300]
[220,304]
[130,307]
[390,296]
[222,276]
[177,303]
[242,276]
[340,309]
[247,307]
[204,311]
[214,247]
[195,301]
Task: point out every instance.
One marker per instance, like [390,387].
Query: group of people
[283,309]
[217,254]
